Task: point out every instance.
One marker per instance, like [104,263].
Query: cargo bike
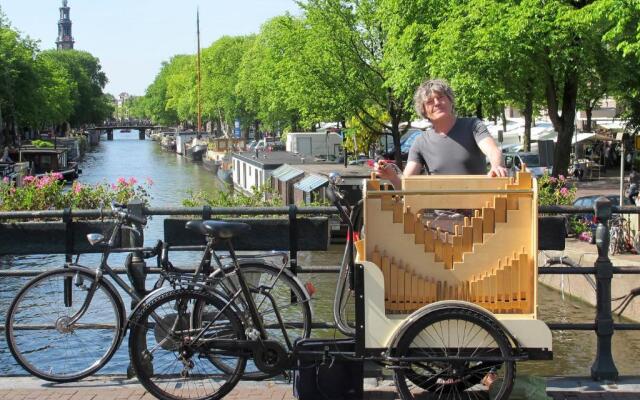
[448,309]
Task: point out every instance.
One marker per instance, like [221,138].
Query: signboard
[236,128]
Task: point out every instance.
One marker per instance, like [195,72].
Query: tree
[220,68]
[348,41]
[156,98]
[89,103]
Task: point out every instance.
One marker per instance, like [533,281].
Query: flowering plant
[49,192]
[555,191]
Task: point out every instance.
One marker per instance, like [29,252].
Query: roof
[270,159]
[351,171]
[286,173]
[311,183]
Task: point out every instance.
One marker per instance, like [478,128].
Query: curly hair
[425,90]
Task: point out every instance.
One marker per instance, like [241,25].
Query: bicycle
[74,310]
[620,238]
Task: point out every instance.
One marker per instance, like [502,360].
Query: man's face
[438,106]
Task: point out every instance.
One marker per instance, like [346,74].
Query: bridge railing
[303,230]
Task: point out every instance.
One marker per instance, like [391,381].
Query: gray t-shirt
[456,153]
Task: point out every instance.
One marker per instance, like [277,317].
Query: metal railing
[603,367]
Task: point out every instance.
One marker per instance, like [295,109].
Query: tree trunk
[479,110]
[256,127]
[528,116]
[563,124]
[589,111]
[504,121]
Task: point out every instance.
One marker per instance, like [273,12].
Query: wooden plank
[526,285]
[437,245]
[376,258]
[500,204]
[373,183]
[401,289]
[393,290]
[429,242]
[418,230]
[457,249]
[386,272]
[488,220]
[410,293]
[397,210]
[467,239]
[386,203]
[476,223]
[409,223]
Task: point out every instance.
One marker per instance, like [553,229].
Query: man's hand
[498,171]
[387,170]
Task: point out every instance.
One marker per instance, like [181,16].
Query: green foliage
[49,192]
[555,191]
[264,196]
[42,143]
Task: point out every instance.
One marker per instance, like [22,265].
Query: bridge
[141,128]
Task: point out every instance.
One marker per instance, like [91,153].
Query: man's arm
[491,150]
[386,171]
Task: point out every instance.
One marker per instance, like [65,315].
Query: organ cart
[450,304]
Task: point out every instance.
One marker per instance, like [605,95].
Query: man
[454,146]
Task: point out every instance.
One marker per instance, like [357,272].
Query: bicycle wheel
[45,342]
[614,240]
[267,282]
[445,336]
[171,357]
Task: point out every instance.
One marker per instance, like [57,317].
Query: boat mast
[198,72]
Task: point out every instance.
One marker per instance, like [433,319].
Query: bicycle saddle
[218,229]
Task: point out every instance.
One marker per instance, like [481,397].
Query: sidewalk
[118,387]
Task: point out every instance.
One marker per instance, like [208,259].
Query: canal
[173,177]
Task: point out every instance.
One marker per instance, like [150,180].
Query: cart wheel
[466,355]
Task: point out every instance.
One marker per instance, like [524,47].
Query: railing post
[135,264]
[68,257]
[603,367]
[293,238]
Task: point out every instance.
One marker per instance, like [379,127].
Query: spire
[65,38]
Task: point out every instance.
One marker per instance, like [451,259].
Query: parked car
[514,161]
[589,201]
[405,144]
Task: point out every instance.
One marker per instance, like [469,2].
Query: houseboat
[47,160]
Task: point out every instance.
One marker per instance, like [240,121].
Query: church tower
[65,39]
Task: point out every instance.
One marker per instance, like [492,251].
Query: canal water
[173,176]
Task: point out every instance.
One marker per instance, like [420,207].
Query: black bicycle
[66,323]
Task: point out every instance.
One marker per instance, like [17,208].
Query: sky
[133,37]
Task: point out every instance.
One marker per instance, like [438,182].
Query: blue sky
[132,37]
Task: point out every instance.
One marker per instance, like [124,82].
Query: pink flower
[553,179]
[57,175]
[370,163]
[132,181]
[5,179]
[29,179]
[114,186]
[77,187]
[149,181]
[561,177]
[564,192]
[122,181]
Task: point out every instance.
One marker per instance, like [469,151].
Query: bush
[48,192]
[555,191]
[264,196]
